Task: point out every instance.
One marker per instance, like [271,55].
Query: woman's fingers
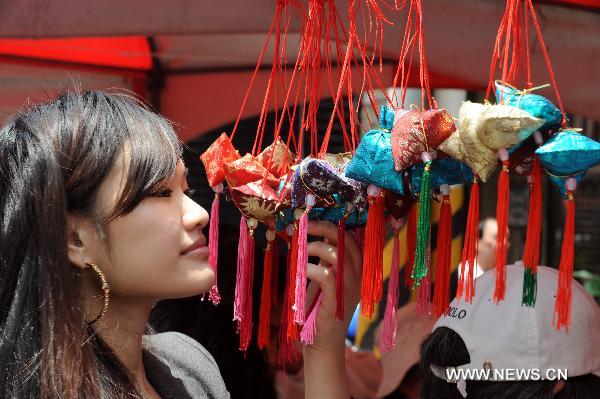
[325,279]
[327,252]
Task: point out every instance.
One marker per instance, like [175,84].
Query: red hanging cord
[547,60]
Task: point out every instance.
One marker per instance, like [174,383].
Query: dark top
[180,368]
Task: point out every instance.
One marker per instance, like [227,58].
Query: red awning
[132,52]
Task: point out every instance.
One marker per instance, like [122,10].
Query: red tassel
[441,300]
[562,307]
[213,243]
[371,285]
[501,239]
[275,272]
[411,245]
[285,347]
[388,333]
[531,255]
[292,332]
[424,295]
[339,291]
[466,283]
[264,325]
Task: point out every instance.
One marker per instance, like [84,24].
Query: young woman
[96,227]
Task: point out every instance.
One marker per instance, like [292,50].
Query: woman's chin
[196,282]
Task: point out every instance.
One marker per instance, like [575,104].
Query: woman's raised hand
[325,374]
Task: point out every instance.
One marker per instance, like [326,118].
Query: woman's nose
[194,215]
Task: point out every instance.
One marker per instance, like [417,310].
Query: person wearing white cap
[519,347]
[487,247]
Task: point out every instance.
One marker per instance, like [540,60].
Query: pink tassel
[388,334]
[240,277]
[307,335]
[242,305]
[424,296]
[302,263]
[213,243]
[300,294]
[246,324]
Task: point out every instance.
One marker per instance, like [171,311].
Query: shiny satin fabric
[373,162]
[246,170]
[219,153]
[280,157]
[443,171]
[568,152]
[418,131]
[257,200]
[534,104]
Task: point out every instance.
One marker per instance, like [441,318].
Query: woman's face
[158,250]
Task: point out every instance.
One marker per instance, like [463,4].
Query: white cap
[509,335]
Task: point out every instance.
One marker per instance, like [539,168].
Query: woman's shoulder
[179,367]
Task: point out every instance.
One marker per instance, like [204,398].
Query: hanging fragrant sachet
[534,104]
[277,158]
[257,200]
[444,170]
[219,153]
[567,155]
[373,162]
[416,132]
[245,170]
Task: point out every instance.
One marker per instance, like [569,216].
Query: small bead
[503,154]
[373,190]
[310,200]
[426,156]
[289,230]
[571,184]
[298,213]
[252,223]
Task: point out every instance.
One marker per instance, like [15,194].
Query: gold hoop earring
[105,288]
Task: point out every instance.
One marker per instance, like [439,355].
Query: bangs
[150,151]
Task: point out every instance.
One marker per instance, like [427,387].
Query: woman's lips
[197,252]
[197,249]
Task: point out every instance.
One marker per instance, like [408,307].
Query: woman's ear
[80,241]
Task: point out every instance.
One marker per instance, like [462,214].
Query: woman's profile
[96,226]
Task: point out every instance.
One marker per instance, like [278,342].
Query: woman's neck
[122,328]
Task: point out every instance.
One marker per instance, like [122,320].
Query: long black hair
[445,348]
[53,159]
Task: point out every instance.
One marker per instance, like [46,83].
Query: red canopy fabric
[132,52]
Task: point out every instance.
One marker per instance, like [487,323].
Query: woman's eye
[189,192]
[162,193]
